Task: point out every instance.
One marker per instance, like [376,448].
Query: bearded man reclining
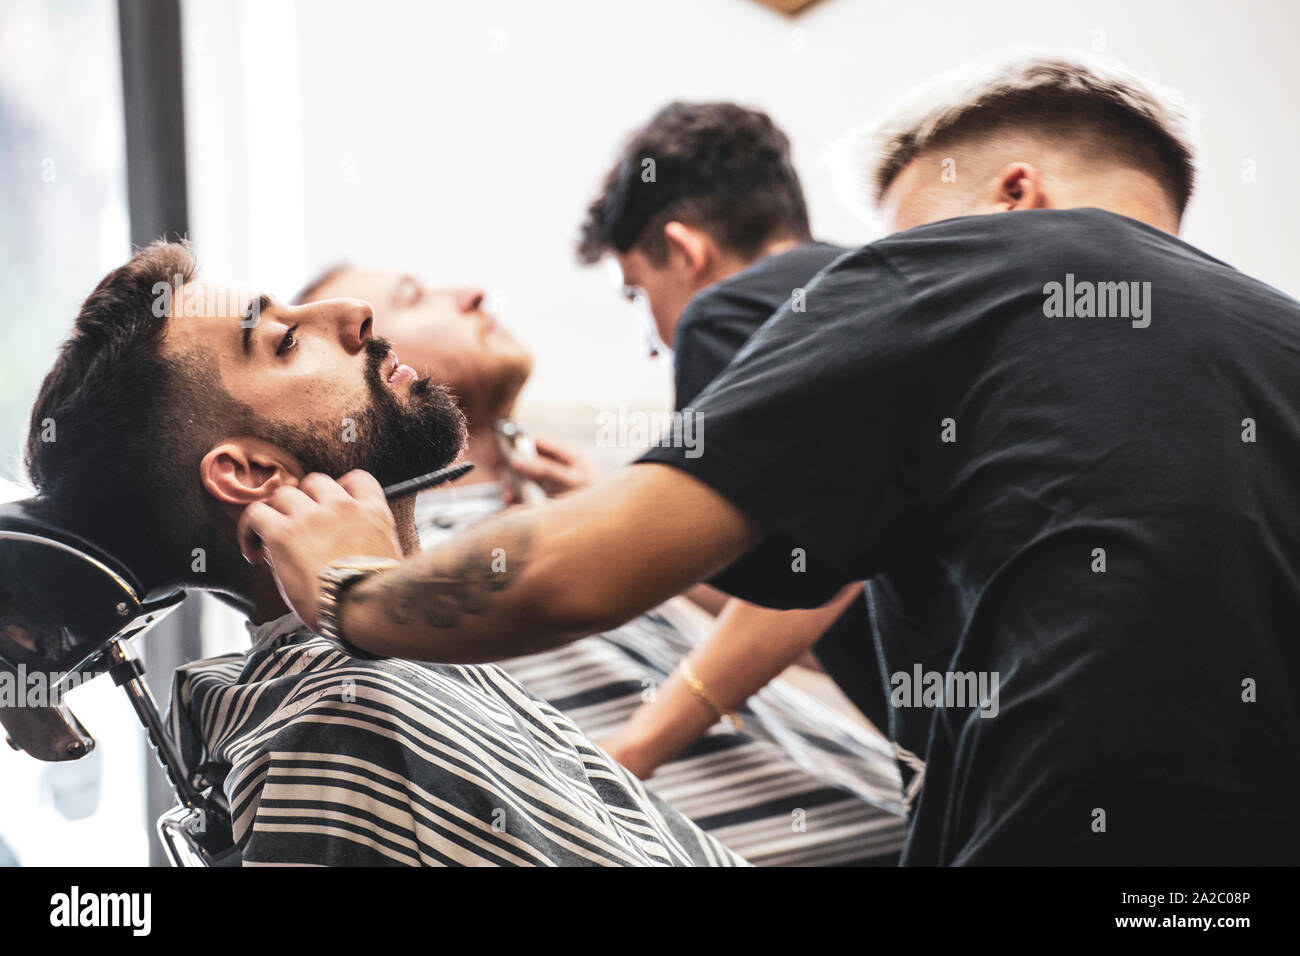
[175,404]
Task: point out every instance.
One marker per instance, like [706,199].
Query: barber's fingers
[556,452]
[289,500]
[554,479]
[540,469]
[259,522]
[364,487]
[322,489]
[262,519]
[557,468]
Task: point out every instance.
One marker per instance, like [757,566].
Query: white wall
[464,140]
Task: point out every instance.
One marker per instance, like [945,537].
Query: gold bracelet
[697,688]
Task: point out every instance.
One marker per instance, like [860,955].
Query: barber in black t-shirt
[1063,445]
[713,251]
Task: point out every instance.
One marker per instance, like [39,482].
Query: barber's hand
[303,529]
[633,754]
[556,469]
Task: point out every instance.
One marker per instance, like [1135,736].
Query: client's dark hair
[716,166]
[309,292]
[115,427]
[119,431]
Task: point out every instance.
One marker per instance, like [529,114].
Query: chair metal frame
[195,832]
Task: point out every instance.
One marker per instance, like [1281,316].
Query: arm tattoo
[456,578]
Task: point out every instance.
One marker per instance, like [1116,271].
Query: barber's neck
[1130,193]
[728,264]
[1156,214]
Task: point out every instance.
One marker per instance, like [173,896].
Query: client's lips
[395,373]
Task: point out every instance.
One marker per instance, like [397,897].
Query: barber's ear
[694,246]
[1019,186]
[239,471]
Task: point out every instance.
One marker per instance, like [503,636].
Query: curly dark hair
[716,166]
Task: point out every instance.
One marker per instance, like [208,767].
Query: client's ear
[239,471]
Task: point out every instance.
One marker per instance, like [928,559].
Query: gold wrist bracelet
[697,688]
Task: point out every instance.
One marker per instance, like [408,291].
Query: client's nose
[469,300]
[352,319]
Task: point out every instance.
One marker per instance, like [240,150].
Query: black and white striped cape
[800,785]
[333,760]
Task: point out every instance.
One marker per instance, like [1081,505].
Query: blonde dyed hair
[1054,91]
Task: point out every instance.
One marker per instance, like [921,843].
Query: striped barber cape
[801,784]
[334,760]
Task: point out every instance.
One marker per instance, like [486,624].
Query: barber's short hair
[719,167]
[1050,91]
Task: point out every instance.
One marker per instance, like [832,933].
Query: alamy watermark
[635,429]
[178,299]
[133,911]
[959,689]
[1100,300]
[22,688]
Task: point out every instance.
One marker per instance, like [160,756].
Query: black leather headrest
[61,597]
[31,517]
[62,600]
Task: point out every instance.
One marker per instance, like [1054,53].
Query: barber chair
[67,607]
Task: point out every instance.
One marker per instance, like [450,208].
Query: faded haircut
[1055,92]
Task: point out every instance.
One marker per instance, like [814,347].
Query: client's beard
[391,438]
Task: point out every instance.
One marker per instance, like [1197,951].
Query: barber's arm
[523,581]
[749,647]
[560,470]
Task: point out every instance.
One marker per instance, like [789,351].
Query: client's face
[442,332]
[318,383]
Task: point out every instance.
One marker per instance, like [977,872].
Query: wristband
[697,688]
[334,580]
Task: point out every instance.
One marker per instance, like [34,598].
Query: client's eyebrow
[253,311]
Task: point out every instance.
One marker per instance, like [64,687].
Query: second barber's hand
[556,469]
[303,529]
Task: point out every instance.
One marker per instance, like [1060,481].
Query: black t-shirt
[720,319]
[712,329]
[1103,512]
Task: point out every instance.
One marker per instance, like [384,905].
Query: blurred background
[462,142]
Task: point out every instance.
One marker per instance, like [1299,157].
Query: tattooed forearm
[455,579]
